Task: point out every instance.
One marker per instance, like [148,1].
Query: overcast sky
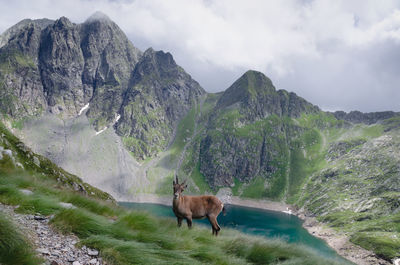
[336,54]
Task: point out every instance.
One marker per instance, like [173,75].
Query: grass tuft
[14,248]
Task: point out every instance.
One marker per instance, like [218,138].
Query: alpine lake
[253,221]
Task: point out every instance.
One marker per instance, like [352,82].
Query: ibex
[196,207]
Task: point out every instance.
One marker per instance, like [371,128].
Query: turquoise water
[270,224]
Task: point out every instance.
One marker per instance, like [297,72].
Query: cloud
[337,54]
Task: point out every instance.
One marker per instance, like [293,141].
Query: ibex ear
[185,186]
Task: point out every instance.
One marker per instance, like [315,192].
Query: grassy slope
[122,236]
[353,188]
[308,156]
[14,248]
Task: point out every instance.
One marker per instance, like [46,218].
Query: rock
[71,259]
[67,205]
[26,192]
[76,263]
[7,152]
[367,118]
[56,253]
[92,252]
[36,161]
[93,261]
[162,92]
[39,217]
[44,251]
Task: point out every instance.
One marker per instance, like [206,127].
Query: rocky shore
[54,247]
[340,242]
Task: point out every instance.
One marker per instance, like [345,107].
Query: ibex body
[196,207]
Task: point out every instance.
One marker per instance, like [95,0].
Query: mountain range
[128,121]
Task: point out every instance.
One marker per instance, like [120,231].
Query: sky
[339,55]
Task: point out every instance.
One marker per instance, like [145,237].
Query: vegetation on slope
[14,248]
[357,190]
[122,236]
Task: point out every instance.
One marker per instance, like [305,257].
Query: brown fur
[196,207]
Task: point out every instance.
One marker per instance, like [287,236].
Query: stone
[36,161]
[44,251]
[76,263]
[93,261]
[67,205]
[26,192]
[92,252]
[7,152]
[39,217]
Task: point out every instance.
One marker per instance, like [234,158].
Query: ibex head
[178,188]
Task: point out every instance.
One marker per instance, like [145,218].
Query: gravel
[54,247]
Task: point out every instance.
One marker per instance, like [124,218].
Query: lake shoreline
[338,241]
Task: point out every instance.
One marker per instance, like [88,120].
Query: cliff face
[257,98]
[60,67]
[250,132]
[159,95]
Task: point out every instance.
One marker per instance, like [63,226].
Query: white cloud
[216,40]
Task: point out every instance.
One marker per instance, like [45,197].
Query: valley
[127,121]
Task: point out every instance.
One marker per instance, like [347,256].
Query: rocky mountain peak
[158,63]
[256,98]
[62,22]
[248,87]
[98,16]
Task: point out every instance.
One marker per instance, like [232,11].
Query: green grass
[15,249]
[255,189]
[183,132]
[199,179]
[383,244]
[122,236]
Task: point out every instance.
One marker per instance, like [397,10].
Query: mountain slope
[161,93]
[250,134]
[54,74]
[128,121]
[70,206]
[358,190]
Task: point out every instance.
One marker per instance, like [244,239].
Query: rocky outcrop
[366,118]
[60,67]
[248,135]
[160,94]
[256,97]
[110,59]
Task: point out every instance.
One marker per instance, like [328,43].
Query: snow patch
[83,109]
[102,130]
[117,119]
